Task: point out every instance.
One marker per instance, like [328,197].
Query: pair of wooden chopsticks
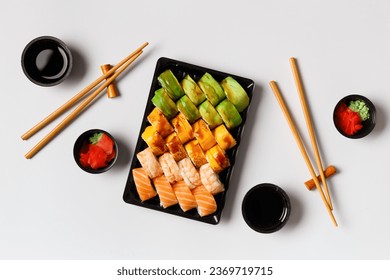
[325,197]
[110,76]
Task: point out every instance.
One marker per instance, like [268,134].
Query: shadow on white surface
[79,67]
[297,212]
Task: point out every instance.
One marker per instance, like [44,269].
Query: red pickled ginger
[347,120]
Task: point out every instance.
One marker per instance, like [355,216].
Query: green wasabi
[361,108]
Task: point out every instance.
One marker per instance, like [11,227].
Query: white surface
[50,209]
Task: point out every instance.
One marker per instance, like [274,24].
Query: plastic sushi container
[180,70]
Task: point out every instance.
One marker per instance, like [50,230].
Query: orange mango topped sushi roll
[175,146]
[204,135]
[183,128]
[159,122]
[195,153]
[217,158]
[223,137]
[154,140]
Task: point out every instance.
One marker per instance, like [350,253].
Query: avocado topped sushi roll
[170,83]
[212,89]
[235,93]
[231,117]
[192,90]
[209,114]
[188,109]
[163,102]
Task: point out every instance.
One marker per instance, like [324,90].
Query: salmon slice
[165,191]
[143,184]
[184,196]
[205,200]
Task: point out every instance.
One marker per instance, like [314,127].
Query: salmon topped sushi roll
[184,196]
[165,191]
[189,173]
[150,163]
[143,184]
[170,168]
[205,200]
[210,179]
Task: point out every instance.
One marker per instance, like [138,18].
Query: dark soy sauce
[266,208]
[51,63]
[46,61]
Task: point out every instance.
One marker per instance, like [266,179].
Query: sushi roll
[175,146]
[205,200]
[170,168]
[217,158]
[154,140]
[209,114]
[229,114]
[143,184]
[195,153]
[204,135]
[164,103]
[150,163]
[170,83]
[165,191]
[210,179]
[184,196]
[189,173]
[224,139]
[211,88]
[182,128]
[192,90]
[235,93]
[188,109]
[159,122]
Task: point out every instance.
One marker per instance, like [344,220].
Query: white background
[50,209]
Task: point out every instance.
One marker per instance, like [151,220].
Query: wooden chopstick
[295,132]
[78,109]
[309,124]
[79,95]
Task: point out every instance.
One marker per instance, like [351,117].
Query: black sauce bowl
[368,125]
[266,208]
[46,61]
[82,140]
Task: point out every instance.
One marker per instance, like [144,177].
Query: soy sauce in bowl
[266,208]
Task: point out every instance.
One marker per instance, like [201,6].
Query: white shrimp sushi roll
[189,173]
[210,179]
[150,163]
[170,168]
